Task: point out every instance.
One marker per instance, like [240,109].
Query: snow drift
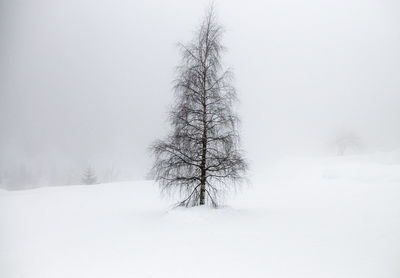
[303,217]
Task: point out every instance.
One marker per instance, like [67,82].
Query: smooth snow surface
[316,217]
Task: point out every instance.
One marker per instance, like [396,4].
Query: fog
[89,83]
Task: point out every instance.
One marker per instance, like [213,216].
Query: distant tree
[20,177]
[89,177]
[347,142]
[201,159]
[110,174]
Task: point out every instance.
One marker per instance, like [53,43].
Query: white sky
[86,81]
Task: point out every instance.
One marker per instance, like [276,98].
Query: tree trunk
[204,139]
[204,153]
[202,190]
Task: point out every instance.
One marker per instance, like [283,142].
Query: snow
[303,217]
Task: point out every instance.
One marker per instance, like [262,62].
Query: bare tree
[347,141]
[201,159]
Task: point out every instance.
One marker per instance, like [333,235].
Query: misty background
[87,83]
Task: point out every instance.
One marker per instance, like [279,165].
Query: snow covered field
[302,217]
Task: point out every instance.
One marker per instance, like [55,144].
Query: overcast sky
[90,82]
